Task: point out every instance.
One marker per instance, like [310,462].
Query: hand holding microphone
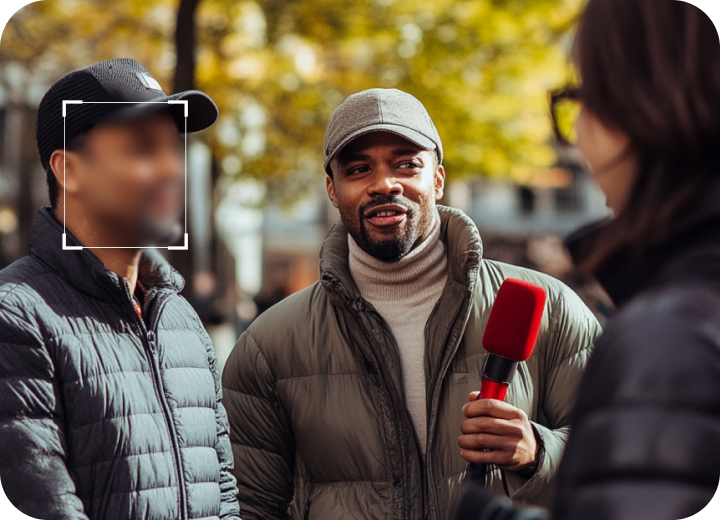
[495,432]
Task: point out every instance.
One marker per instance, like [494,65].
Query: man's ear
[65,167]
[330,185]
[439,182]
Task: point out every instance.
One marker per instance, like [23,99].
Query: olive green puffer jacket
[314,395]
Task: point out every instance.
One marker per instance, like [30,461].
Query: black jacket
[645,443]
[646,438]
[104,415]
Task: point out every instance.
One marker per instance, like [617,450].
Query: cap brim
[202,111]
[408,133]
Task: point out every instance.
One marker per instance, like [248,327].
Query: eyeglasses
[565,109]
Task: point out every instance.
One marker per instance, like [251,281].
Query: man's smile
[386,215]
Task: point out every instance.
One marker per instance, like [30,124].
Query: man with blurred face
[109,389]
[357,387]
[123,185]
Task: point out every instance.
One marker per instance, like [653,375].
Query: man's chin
[385,248]
[162,234]
[385,235]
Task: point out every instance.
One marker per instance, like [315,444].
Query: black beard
[391,249]
[160,234]
[158,231]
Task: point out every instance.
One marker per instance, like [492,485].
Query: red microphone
[509,338]
[510,334]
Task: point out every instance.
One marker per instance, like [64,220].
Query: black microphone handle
[500,370]
[475,475]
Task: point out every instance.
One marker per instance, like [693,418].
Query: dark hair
[76,144]
[651,69]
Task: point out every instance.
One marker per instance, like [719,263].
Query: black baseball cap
[118,89]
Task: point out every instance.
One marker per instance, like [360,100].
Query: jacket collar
[462,244]
[625,275]
[84,271]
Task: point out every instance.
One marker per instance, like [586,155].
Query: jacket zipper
[402,376]
[151,348]
[402,396]
[396,412]
[171,426]
[437,384]
[426,466]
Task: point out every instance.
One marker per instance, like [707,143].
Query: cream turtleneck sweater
[404,293]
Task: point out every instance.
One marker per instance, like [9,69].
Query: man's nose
[385,182]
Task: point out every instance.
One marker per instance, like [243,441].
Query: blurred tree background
[277,69]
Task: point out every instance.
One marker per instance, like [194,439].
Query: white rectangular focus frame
[67,102]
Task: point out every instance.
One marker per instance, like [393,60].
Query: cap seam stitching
[382,116]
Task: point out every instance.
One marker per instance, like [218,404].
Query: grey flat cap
[379,109]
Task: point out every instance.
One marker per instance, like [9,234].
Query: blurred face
[610,157]
[386,189]
[129,177]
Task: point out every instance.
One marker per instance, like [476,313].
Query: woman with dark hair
[645,443]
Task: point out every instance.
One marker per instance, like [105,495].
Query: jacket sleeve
[229,509]
[645,436]
[573,330]
[33,468]
[261,435]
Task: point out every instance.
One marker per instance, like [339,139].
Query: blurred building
[554,201]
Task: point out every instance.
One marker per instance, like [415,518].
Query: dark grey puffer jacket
[103,415]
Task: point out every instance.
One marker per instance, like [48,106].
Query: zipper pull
[151,340]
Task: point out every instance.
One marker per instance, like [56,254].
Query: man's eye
[357,171]
[409,165]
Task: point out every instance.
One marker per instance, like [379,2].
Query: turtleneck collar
[425,263]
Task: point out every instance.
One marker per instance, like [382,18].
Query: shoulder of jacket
[293,313]
[657,342]
[16,287]
[566,310]
[690,310]
[181,307]
[500,271]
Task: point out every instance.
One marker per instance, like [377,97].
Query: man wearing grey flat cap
[346,399]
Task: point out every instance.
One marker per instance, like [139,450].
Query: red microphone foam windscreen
[514,320]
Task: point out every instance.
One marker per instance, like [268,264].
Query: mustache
[381,200]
